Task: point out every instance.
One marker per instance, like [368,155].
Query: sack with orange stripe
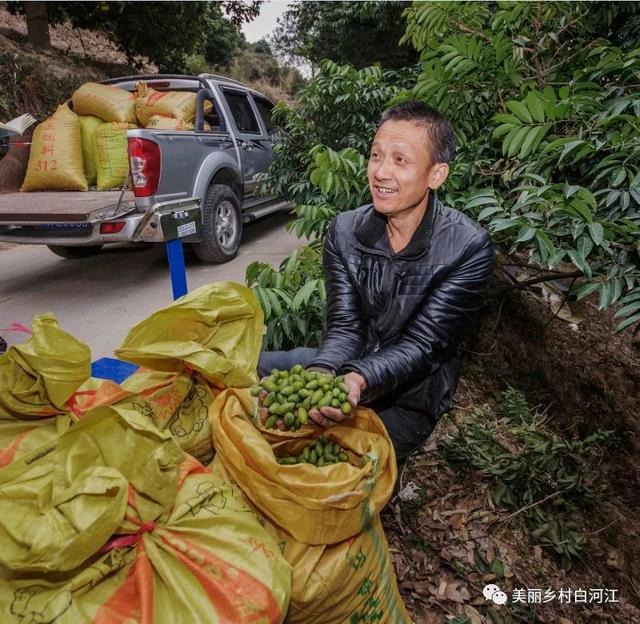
[326,519]
[175,104]
[38,379]
[191,350]
[112,522]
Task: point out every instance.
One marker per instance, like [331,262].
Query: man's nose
[382,170]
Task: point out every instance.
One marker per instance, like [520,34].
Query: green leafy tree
[344,32]
[293,298]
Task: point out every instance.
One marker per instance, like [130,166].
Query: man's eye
[401,159]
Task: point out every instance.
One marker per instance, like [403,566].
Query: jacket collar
[372,227]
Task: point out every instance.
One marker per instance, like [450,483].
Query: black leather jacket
[396,318]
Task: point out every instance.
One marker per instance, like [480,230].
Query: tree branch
[474,32]
[535,280]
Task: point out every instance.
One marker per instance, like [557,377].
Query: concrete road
[98,299]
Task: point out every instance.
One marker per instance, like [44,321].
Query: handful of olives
[285,397]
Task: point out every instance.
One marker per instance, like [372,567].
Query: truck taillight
[144,158]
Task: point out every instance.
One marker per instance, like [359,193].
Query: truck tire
[221,225]
[73,253]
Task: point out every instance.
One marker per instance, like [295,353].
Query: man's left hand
[330,416]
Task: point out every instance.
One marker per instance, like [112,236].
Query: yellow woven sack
[157,122]
[316,506]
[215,330]
[88,127]
[177,402]
[350,581]
[55,160]
[37,379]
[176,104]
[114,523]
[38,376]
[108,103]
[111,155]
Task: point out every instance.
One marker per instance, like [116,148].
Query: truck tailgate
[58,206]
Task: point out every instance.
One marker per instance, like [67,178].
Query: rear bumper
[138,227]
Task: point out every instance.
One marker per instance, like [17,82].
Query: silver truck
[199,186]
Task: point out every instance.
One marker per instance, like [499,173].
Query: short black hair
[438,127]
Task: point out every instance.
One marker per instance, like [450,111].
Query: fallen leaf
[473,615]
[615,561]
[457,593]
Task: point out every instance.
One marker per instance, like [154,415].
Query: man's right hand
[331,416]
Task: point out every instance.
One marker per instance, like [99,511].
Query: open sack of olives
[319,452]
[260,461]
[284,398]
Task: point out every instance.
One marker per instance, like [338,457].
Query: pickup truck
[204,177]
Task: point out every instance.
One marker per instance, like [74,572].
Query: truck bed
[56,206]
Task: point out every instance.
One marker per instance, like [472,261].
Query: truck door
[255,147]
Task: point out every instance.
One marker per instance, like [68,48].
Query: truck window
[241,110]
[265,108]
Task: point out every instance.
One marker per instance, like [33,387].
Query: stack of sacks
[112,522]
[106,115]
[189,352]
[326,519]
[167,110]
[74,149]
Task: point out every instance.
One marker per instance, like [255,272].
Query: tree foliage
[293,298]
[165,32]
[344,32]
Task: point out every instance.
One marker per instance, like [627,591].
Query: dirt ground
[586,378]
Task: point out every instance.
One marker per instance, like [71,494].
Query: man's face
[399,167]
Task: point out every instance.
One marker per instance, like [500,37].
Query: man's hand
[330,416]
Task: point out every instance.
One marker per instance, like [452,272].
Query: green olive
[303,416]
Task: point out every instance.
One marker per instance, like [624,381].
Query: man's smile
[384,190]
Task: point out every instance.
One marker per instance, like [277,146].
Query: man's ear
[437,175]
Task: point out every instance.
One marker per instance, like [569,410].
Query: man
[404,277]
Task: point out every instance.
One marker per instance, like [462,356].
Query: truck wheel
[221,225]
[74,252]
